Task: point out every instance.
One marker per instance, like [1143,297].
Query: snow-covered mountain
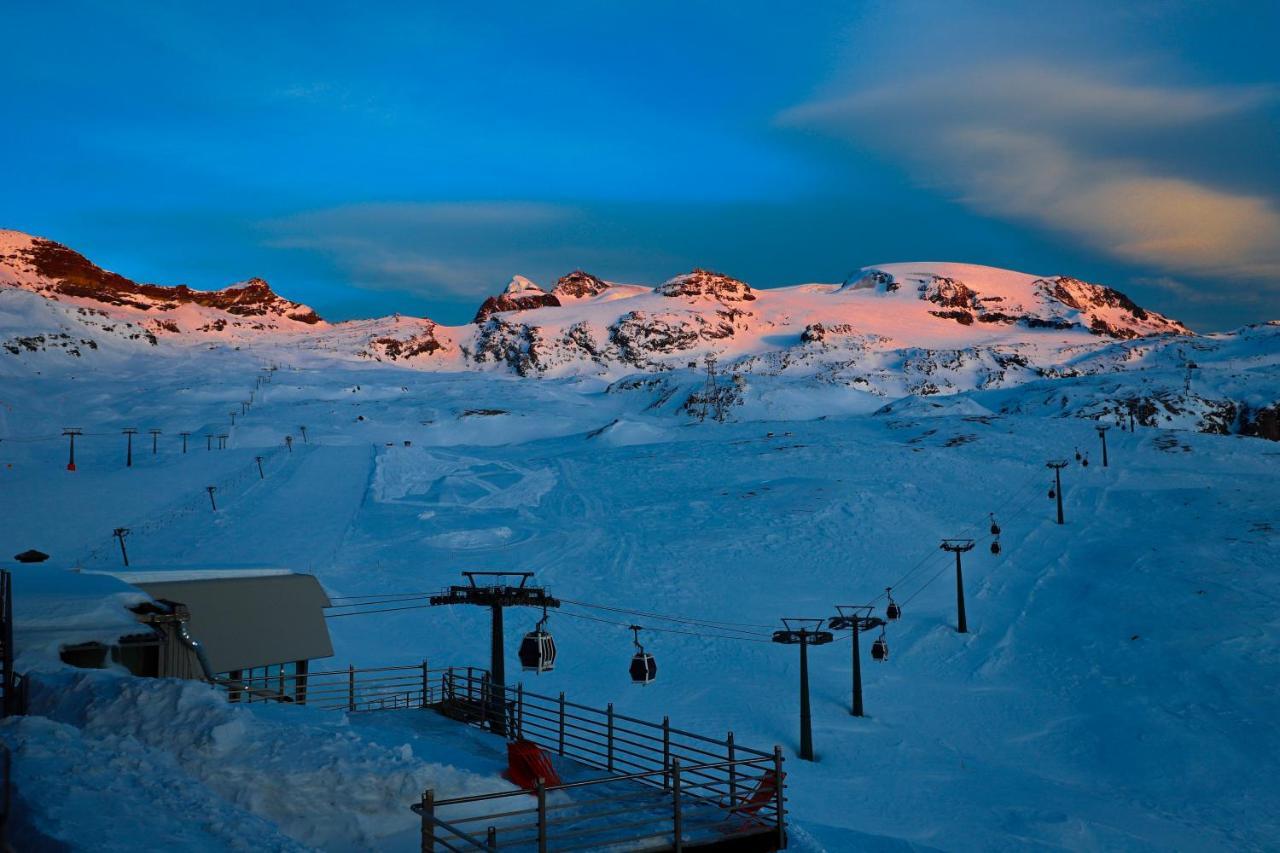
[890,331]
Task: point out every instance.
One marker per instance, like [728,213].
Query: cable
[711,623]
[385,610]
[381,595]
[663,630]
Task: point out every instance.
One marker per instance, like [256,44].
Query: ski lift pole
[130,432]
[858,618]
[120,533]
[1102,434]
[1057,465]
[71,433]
[958,547]
[807,634]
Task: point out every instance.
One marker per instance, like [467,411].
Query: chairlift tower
[1057,465]
[129,432]
[857,618]
[708,387]
[155,433]
[1102,434]
[185,436]
[120,533]
[803,632]
[958,547]
[496,590]
[71,433]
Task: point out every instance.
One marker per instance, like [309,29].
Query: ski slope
[1115,691]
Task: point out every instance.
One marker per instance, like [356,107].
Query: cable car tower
[804,633]
[958,547]
[858,618]
[496,590]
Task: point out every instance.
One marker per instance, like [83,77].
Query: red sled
[526,764]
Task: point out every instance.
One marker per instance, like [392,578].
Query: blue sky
[371,158]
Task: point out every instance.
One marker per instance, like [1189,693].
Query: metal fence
[666,788]
[379,688]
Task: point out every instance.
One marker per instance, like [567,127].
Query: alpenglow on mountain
[894,330]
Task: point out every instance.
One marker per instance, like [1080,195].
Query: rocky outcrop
[54,271]
[578,285]
[1129,320]
[638,337]
[705,284]
[520,295]
[421,342]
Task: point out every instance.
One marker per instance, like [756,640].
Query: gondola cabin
[644,669]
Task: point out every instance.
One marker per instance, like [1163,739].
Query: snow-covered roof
[54,606]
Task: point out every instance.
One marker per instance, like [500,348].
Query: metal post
[351,687]
[678,844]
[806,723]
[520,711]
[779,798]
[733,774]
[1057,479]
[155,433]
[428,821]
[1102,433]
[301,668]
[497,674]
[120,533]
[128,458]
[609,711]
[426,684]
[185,436]
[541,790]
[258,459]
[213,503]
[491,838]
[562,722]
[857,669]
[961,625]
[666,752]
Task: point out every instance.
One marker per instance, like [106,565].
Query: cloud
[459,249]
[1067,152]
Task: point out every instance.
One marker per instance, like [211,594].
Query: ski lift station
[205,624]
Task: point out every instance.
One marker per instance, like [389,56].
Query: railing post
[491,839]
[351,687]
[779,798]
[541,791]
[301,670]
[562,722]
[610,712]
[733,774]
[428,821]
[666,752]
[426,684]
[677,842]
[520,711]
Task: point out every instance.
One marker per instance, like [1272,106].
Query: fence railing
[372,689]
[666,787]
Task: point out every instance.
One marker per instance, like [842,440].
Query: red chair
[526,764]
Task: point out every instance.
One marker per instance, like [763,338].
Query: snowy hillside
[1114,691]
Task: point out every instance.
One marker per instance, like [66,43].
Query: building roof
[245,620]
